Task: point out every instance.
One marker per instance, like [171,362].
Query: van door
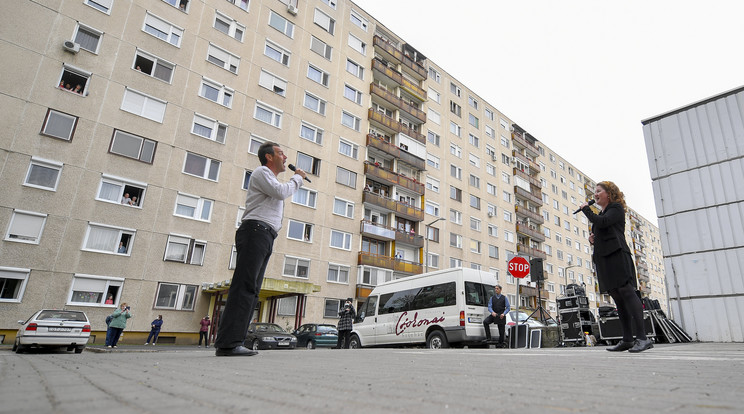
[366,323]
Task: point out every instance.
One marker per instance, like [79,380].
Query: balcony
[410,87]
[388,148]
[532,164]
[531,251]
[532,180]
[530,232]
[411,239]
[522,142]
[385,262]
[377,231]
[394,178]
[397,102]
[394,125]
[392,53]
[525,212]
[400,209]
[535,199]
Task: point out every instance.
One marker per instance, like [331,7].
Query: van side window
[477,294]
[435,296]
[371,306]
[398,301]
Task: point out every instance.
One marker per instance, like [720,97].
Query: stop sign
[519,267]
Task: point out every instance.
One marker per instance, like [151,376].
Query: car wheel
[79,350]
[310,345]
[436,340]
[354,342]
[15,346]
[255,344]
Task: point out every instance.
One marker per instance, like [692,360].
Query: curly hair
[614,193]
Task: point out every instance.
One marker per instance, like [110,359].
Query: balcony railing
[523,143]
[408,238]
[531,251]
[386,262]
[535,199]
[532,164]
[394,178]
[532,233]
[532,180]
[400,209]
[394,125]
[525,212]
[397,102]
[369,228]
[398,78]
[397,152]
[394,53]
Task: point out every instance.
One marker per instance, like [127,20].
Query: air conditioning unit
[71,46]
[490,214]
[292,9]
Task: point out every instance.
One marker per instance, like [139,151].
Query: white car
[53,328]
[511,320]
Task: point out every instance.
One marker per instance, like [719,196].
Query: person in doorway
[204,331]
[254,241]
[615,269]
[117,325]
[154,330]
[498,308]
[345,324]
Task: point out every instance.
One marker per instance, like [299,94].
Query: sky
[580,76]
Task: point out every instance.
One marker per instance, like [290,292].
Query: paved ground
[680,378]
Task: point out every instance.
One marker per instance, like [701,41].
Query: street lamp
[426,257]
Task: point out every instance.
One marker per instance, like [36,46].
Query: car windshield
[269,327]
[62,315]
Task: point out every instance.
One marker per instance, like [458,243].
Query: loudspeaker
[536,270]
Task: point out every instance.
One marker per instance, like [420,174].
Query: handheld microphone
[575,212]
[293,168]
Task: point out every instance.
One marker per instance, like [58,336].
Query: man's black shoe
[621,346]
[641,345]
[237,351]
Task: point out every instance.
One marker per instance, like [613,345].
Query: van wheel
[354,342]
[436,340]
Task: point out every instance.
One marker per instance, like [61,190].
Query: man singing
[254,241]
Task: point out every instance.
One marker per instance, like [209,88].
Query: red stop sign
[519,267]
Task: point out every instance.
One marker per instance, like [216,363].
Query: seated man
[498,308]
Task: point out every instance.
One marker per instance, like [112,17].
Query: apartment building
[131,133]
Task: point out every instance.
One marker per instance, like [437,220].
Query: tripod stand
[540,308]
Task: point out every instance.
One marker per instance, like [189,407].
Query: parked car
[511,319]
[312,335]
[269,336]
[53,328]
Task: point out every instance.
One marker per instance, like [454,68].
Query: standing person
[498,308]
[117,325]
[615,269]
[254,241]
[154,330]
[345,324]
[204,331]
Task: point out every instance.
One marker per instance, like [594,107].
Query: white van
[437,308]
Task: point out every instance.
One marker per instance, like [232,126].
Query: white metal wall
[696,158]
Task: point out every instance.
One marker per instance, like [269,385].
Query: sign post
[519,267]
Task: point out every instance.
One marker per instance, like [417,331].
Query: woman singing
[614,264]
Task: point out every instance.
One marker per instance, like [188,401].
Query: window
[474,160]
[456,171]
[432,161]
[179,4]
[132,146]
[455,129]
[433,260]
[473,120]
[88,38]
[89,290]
[350,121]
[509,236]
[473,102]
[176,297]
[346,177]
[343,208]
[220,94]
[455,216]
[354,68]
[162,30]
[201,166]
[154,66]
[475,202]
[209,129]
[25,227]
[474,181]
[456,240]
[455,89]
[143,105]
[311,133]
[101,238]
[332,307]
[272,83]
[277,53]
[332,4]
[254,145]
[455,193]
[475,246]
[317,75]
[473,140]
[348,148]
[505,177]
[305,197]
[434,95]
[59,125]
[193,207]
[352,94]
[505,159]
[491,189]
[314,103]
[434,75]
[455,108]
[223,58]
[491,210]
[432,233]
[101,5]
[432,184]
[229,26]
[431,209]
[358,20]
[267,114]
[455,150]
[493,251]
[357,44]
[491,169]
[308,163]
[475,224]
[287,306]
[493,231]
[507,216]
[489,114]
[120,191]
[243,4]
[13,283]
[43,174]
[74,80]
[184,249]
[455,262]
[490,132]
[340,240]
[320,47]
[296,267]
[507,196]
[433,138]
[325,21]
[281,24]
[297,230]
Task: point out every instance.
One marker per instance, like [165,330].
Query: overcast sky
[581,75]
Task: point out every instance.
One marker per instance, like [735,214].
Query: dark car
[269,336]
[312,335]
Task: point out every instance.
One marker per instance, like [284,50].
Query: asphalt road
[680,378]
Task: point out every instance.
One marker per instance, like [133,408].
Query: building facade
[132,129]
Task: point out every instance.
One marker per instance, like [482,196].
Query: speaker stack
[574,314]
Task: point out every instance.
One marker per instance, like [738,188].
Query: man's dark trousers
[254,244]
[501,322]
